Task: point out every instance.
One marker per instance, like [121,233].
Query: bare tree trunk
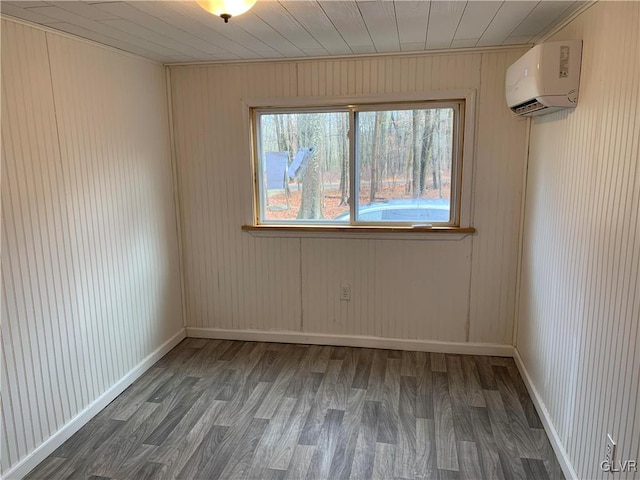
[344,165]
[417,155]
[375,151]
[311,204]
[309,132]
[283,146]
[427,150]
[409,165]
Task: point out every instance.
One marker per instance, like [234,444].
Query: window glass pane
[304,159]
[404,165]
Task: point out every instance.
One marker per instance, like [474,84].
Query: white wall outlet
[610,454]
[345,292]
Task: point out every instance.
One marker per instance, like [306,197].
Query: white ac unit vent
[545,79]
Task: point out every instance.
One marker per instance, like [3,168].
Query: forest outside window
[363,165]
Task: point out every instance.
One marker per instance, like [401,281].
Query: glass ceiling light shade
[226,8]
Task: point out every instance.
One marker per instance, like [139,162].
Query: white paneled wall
[90,277]
[578,328]
[449,290]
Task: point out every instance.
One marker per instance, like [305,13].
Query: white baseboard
[285,336]
[552,433]
[28,463]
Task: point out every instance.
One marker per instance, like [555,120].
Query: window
[359,165]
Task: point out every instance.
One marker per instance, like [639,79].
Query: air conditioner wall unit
[545,79]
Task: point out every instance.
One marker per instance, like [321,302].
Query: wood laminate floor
[223,409]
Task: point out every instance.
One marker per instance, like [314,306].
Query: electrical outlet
[610,455]
[345,292]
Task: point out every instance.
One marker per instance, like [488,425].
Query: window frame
[456,162]
[259,172]
[460,221]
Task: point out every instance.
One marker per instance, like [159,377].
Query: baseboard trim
[552,433]
[285,336]
[22,468]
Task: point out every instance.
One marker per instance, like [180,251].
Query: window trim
[465,138]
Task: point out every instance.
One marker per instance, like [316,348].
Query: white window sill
[381,233]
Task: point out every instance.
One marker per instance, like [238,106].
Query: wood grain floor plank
[500,361]
[286,447]
[388,413]
[177,357]
[271,474]
[444,474]
[338,353]
[310,358]
[300,461]
[98,431]
[165,389]
[383,461]
[339,393]
[534,469]
[175,415]
[240,448]
[424,399]
[316,417]
[271,366]
[342,460]
[438,362]
[469,461]
[405,459]
[486,445]
[228,382]
[130,467]
[230,353]
[461,416]
[275,430]
[168,413]
[323,454]
[551,464]
[179,362]
[79,464]
[409,365]
[485,372]
[244,410]
[504,438]
[472,384]
[321,357]
[128,402]
[198,464]
[362,467]
[530,441]
[180,446]
[244,405]
[205,361]
[426,465]
[149,471]
[375,390]
[363,369]
[523,396]
[446,452]
[120,445]
[287,367]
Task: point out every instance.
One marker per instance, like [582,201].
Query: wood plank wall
[400,288]
[90,277]
[578,329]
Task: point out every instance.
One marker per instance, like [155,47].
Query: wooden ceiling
[180,31]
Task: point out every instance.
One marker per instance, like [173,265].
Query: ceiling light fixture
[226,8]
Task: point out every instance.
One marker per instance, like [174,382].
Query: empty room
[309,239]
